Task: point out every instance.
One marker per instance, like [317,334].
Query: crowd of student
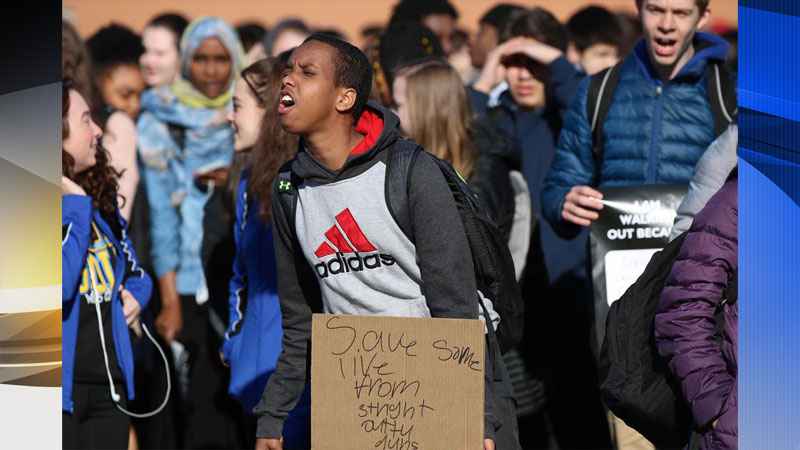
[210,173]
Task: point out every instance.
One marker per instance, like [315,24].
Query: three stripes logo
[343,238]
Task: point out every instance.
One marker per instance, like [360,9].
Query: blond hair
[439,113]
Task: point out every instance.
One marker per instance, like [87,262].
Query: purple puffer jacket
[685,324]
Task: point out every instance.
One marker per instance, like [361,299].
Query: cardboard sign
[396,383]
[634,223]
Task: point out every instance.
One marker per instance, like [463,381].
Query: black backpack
[720,88]
[636,384]
[635,381]
[494,268]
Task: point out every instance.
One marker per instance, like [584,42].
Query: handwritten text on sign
[396,383]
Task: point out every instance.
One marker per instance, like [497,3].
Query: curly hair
[99,181]
[274,146]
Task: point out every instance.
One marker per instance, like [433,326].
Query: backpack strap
[721,91]
[601,91]
[400,159]
[287,194]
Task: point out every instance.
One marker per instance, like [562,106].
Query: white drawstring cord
[114,395]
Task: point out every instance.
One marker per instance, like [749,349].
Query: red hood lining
[370,125]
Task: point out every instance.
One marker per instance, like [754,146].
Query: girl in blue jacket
[253,338]
[103,288]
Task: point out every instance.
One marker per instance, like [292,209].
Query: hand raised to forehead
[531,48]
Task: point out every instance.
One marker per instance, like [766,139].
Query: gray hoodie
[347,255]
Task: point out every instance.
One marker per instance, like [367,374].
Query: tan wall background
[347,15]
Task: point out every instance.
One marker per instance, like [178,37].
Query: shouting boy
[339,174]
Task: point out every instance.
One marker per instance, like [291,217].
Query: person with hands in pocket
[103,290]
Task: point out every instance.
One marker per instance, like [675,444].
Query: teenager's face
[84,134]
[526,90]
[399,89]
[443,27]
[245,117]
[160,61]
[669,27]
[598,57]
[210,68]
[288,40]
[486,40]
[308,90]
[121,87]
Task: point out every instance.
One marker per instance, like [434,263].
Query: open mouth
[285,104]
[665,47]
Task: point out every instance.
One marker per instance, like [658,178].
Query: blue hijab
[207,138]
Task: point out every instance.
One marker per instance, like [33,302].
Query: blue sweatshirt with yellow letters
[112,269]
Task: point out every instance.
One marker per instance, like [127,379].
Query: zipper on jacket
[656,131]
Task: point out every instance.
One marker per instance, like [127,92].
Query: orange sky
[347,15]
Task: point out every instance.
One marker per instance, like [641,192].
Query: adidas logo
[345,237]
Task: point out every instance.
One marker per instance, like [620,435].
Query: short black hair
[250,34]
[334,32]
[540,24]
[351,69]
[416,10]
[114,45]
[595,25]
[174,22]
[499,15]
[404,43]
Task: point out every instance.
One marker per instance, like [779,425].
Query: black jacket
[497,157]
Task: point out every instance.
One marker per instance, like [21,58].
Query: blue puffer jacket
[654,133]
